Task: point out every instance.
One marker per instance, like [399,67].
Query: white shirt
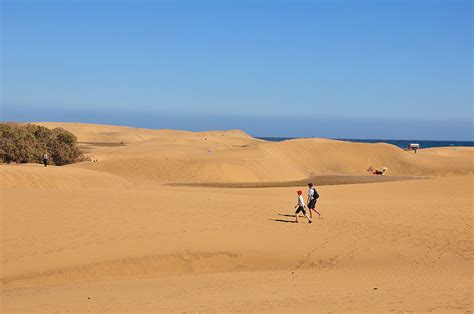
[311,194]
[300,200]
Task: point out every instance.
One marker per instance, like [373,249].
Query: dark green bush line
[22,143]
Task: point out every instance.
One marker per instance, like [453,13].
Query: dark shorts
[312,204]
[300,209]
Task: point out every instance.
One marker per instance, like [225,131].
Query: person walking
[312,199]
[45,159]
[300,207]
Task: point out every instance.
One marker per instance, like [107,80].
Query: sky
[348,69]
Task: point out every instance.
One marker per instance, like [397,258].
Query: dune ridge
[165,156]
[150,266]
[35,176]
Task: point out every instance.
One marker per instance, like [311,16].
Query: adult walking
[45,159]
[312,199]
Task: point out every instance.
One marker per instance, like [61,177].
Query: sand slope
[412,240]
[111,236]
[159,156]
[37,176]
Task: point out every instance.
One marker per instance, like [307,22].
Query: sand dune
[112,236]
[37,176]
[159,156]
[113,134]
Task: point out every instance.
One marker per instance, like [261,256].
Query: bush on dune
[24,143]
[17,144]
[64,147]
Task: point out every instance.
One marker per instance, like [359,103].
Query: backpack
[316,194]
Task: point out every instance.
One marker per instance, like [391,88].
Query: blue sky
[372,69]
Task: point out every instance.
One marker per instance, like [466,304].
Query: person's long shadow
[284,220]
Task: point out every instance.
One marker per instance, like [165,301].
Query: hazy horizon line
[253,135]
[257,125]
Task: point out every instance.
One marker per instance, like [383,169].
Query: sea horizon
[402,143]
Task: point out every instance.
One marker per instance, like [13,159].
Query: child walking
[300,207]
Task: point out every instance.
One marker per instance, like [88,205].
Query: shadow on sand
[282,220]
[287,221]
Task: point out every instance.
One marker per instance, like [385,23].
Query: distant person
[376,171]
[312,199]
[45,159]
[300,207]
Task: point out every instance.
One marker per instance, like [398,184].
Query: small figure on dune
[413,146]
[300,207]
[45,159]
[313,196]
[380,172]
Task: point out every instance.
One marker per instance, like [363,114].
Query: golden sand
[111,234]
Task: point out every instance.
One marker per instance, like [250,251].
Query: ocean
[399,143]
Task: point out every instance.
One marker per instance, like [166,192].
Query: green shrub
[64,149]
[23,143]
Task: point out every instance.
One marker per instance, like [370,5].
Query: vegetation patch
[23,143]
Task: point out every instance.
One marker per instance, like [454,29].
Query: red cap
[299,192]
